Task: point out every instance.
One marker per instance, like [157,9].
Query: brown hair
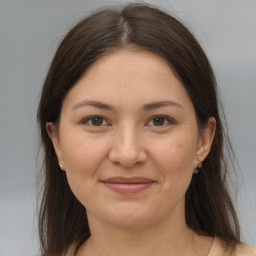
[208,209]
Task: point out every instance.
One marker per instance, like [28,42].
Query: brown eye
[95,121]
[159,121]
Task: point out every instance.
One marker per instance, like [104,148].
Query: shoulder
[220,248]
[243,249]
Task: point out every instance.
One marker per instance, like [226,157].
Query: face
[128,140]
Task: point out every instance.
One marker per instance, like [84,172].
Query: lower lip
[128,188]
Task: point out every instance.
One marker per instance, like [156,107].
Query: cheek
[176,151]
[83,158]
[174,158]
[82,155]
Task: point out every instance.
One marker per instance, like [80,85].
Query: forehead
[133,61]
[128,76]
[130,56]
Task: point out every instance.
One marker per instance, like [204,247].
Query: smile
[128,185]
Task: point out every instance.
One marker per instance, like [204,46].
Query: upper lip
[131,180]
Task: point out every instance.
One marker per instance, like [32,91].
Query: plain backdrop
[30,31]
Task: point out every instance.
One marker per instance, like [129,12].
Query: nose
[127,149]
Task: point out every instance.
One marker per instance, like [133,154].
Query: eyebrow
[148,106]
[159,104]
[93,103]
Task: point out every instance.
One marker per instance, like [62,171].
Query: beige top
[219,248]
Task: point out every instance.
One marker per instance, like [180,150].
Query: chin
[129,216]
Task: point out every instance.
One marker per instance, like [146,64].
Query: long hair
[208,205]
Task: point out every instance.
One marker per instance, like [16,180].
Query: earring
[195,171]
[199,165]
[61,166]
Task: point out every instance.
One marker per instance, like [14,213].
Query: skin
[128,140]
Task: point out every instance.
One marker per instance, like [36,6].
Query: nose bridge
[127,148]
[127,137]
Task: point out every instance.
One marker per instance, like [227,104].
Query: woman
[133,142]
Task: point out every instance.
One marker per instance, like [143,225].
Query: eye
[159,121]
[95,121]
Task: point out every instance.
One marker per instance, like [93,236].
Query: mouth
[128,185]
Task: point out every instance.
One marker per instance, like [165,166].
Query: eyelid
[167,118]
[89,118]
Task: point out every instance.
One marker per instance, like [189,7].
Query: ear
[205,140]
[52,131]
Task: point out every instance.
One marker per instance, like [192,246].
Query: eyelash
[167,121]
[89,119]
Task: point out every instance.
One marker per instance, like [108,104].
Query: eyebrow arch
[149,106]
[93,103]
[159,104]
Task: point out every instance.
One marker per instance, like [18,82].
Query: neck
[166,238]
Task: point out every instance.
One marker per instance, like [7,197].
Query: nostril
[127,159]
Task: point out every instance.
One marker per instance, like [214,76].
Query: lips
[128,185]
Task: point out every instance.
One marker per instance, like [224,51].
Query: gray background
[29,34]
